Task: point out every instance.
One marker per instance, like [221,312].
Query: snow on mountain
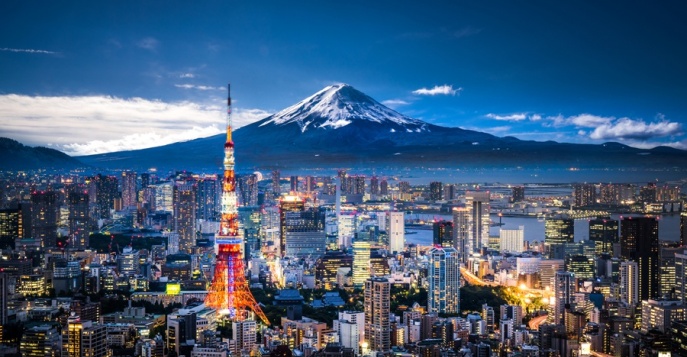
[339,105]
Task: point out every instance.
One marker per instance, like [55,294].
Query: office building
[244,333]
[79,221]
[443,233]
[377,308]
[683,229]
[604,233]
[584,195]
[106,190]
[518,194]
[564,284]
[84,338]
[461,232]
[208,198]
[639,242]
[303,232]
[512,240]
[658,314]
[581,266]
[44,217]
[557,232]
[436,191]
[361,262]
[41,341]
[287,204]
[629,282]
[129,190]
[11,227]
[478,203]
[443,295]
[396,232]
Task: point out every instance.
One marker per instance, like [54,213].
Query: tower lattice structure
[229,292]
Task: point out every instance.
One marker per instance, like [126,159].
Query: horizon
[566,72]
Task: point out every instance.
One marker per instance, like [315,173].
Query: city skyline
[109,77]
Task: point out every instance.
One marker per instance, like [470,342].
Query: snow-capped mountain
[342,127]
[339,105]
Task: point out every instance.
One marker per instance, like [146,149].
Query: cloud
[187,75]
[626,128]
[84,125]
[395,103]
[28,50]
[509,117]
[439,90]
[198,87]
[148,43]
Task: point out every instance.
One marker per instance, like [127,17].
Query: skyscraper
[276,183]
[84,338]
[79,220]
[287,204]
[518,194]
[361,262]
[436,191]
[604,233]
[44,217]
[396,231]
[558,231]
[563,294]
[443,295]
[683,228]
[479,205]
[11,227]
[185,215]
[208,203]
[584,195]
[129,189]
[461,232]
[377,309]
[443,233]
[106,191]
[629,282]
[247,187]
[639,242]
[374,185]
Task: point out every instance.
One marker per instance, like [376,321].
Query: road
[536,321]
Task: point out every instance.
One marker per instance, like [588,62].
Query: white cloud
[28,50]
[626,128]
[86,125]
[395,103]
[535,117]
[198,87]
[148,43]
[509,117]
[439,90]
[187,75]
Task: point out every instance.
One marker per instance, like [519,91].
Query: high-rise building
[513,312]
[361,262]
[383,187]
[461,232]
[106,190]
[479,205]
[293,180]
[547,271]
[276,183]
[185,215]
[681,277]
[287,204]
[247,189]
[584,195]
[208,203]
[558,231]
[181,327]
[245,335]
[450,192]
[41,341]
[436,191]
[512,240]
[302,230]
[79,227]
[639,242]
[563,290]
[658,314]
[518,194]
[683,229]
[396,232]
[145,180]
[647,194]
[666,269]
[129,189]
[11,227]
[443,233]
[377,308]
[580,265]
[443,295]
[44,217]
[374,185]
[604,233]
[84,338]
[3,297]
[629,282]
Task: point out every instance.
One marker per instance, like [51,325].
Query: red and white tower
[229,292]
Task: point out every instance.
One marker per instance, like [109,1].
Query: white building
[396,231]
[512,240]
[629,282]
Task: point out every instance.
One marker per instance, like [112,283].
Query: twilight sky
[96,76]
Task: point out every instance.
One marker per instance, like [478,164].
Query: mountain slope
[16,156]
[342,127]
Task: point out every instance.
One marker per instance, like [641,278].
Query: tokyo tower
[229,292]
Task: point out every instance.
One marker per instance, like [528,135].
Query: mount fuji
[340,126]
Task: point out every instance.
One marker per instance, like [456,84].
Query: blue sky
[88,77]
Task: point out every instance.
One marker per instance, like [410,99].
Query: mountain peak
[339,105]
